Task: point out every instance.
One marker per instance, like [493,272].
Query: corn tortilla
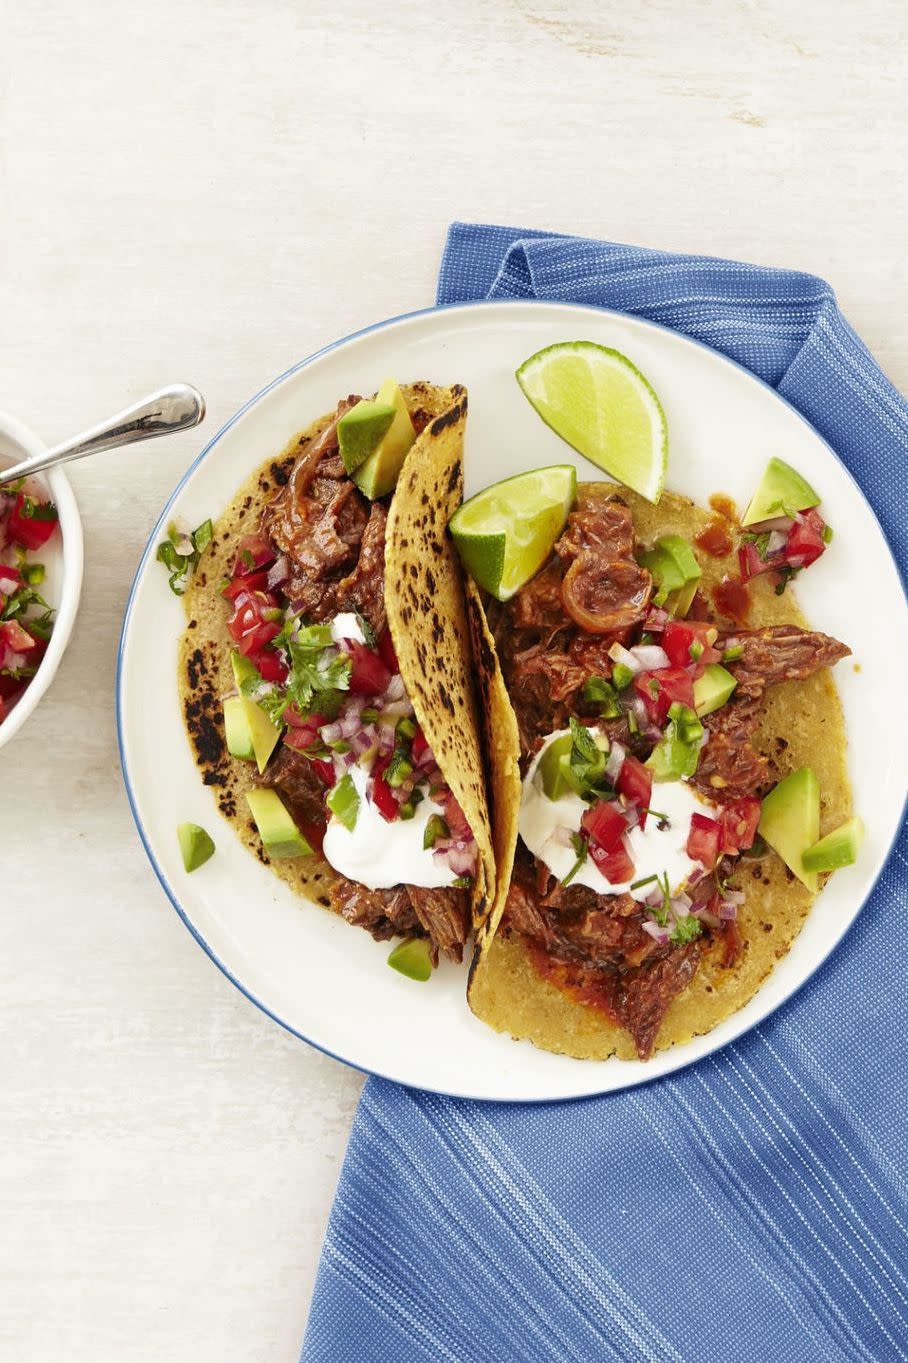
[801,724]
[205,675]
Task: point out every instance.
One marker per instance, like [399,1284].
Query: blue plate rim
[150,547]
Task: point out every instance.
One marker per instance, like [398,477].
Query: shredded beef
[333,537]
[729,765]
[604,589]
[383,913]
[538,606]
[364,588]
[642,995]
[442,915]
[295,778]
[781,653]
[445,915]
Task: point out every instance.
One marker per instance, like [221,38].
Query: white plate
[327,982]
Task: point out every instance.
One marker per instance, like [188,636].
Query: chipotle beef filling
[552,637]
[334,542]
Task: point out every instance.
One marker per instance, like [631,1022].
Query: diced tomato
[248,625]
[11,687]
[14,637]
[635,783]
[369,675]
[679,636]
[387,653]
[324,770]
[295,720]
[703,840]
[455,817]
[270,665]
[303,737]
[419,748]
[253,552]
[245,582]
[31,531]
[738,824]
[617,866]
[749,562]
[805,539]
[660,690]
[604,825]
[382,795]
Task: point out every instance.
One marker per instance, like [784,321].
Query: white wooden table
[209,191]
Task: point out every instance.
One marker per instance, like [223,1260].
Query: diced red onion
[395,689]
[631,815]
[396,709]
[331,733]
[656,931]
[350,723]
[656,620]
[459,855]
[8,585]
[705,916]
[615,762]
[681,904]
[385,740]
[649,657]
[776,543]
[654,899]
[728,912]
[279,572]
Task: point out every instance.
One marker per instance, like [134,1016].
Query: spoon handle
[176,408]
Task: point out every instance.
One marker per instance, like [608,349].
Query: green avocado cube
[790,821]
[249,732]
[360,430]
[412,959]
[782,492]
[555,768]
[377,475]
[839,848]
[713,689]
[279,834]
[675,571]
[196,846]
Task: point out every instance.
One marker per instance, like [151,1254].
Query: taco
[635,913]
[326,676]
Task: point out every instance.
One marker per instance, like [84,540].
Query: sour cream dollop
[546,825]
[380,854]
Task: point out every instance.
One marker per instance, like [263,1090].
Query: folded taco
[326,676]
[639,737]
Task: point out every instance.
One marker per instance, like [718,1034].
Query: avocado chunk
[249,732]
[196,846]
[555,768]
[360,430]
[244,669]
[713,689]
[839,848]
[377,475]
[790,821]
[412,959]
[675,572]
[677,754]
[278,832]
[782,492]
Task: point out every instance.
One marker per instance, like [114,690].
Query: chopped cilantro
[581,847]
[179,565]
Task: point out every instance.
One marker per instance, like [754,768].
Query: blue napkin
[752,1207]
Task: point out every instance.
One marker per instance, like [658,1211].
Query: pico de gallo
[27,524]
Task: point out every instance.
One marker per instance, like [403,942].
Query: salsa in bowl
[40,578]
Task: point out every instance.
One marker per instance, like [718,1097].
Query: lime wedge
[505,533]
[600,403]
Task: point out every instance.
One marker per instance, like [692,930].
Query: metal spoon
[176,408]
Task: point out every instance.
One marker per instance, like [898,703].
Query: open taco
[640,906]
[326,675]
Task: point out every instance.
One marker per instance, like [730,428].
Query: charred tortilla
[516,991]
[428,664]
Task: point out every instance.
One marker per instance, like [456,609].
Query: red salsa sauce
[26,620]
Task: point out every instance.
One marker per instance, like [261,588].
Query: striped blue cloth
[752,1208]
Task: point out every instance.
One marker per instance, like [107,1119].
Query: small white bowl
[63,557]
